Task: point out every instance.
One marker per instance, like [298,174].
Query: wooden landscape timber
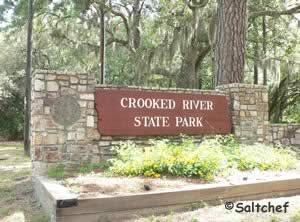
[69,207]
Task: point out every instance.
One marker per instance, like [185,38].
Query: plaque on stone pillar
[65,111]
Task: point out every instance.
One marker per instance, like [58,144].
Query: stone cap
[285,124]
[241,85]
[62,72]
[159,89]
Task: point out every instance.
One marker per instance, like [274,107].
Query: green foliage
[66,37]
[265,157]
[40,218]
[274,219]
[292,113]
[11,116]
[11,88]
[90,167]
[284,100]
[165,157]
[4,212]
[57,171]
[295,217]
[7,192]
[206,160]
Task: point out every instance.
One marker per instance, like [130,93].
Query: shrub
[12,108]
[206,160]
[164,157]
[265,157]
[12,117]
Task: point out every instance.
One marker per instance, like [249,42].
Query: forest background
[157,43]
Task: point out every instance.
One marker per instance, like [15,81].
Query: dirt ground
[100,185]
[17,203]
[220,214]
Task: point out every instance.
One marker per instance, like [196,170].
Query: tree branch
[162,71]
[193,4]
[202,55]
[272,13]
[122,16]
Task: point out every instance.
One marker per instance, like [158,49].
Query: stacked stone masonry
[64,119]
[53,141]
[288,134]
[55,138]
[249,111]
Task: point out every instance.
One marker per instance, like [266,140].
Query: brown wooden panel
[136,112]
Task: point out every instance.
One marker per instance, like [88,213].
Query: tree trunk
[193,54]
[256,55]
[187,76]
[28,81]
[190,65]
[102,46]
[136,17]
[230,41]
[265,74]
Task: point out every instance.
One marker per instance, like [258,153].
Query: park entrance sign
[143,113]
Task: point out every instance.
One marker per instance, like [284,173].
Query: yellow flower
[157,175]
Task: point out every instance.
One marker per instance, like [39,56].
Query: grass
[16,190]
[4,212]
[292,217]
[295,217]
[58,171]
[88,168]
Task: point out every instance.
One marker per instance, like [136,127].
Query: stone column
[63,120]
[249,111]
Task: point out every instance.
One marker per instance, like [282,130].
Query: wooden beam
[180,197]
[65,206]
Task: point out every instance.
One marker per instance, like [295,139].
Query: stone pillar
[63,120]
[249,111]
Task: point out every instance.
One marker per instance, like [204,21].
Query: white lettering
[132,102]
[147,103]
[189,121]
[137,121]
[140,103]
[199,122]
[152,121]
[122,102]
[178,121]
[185,104]
[165,121]
[210,105]
[172,104]
[197,105]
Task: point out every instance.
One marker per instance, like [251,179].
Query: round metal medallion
[65,111]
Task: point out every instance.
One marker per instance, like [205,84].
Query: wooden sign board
[142,113]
